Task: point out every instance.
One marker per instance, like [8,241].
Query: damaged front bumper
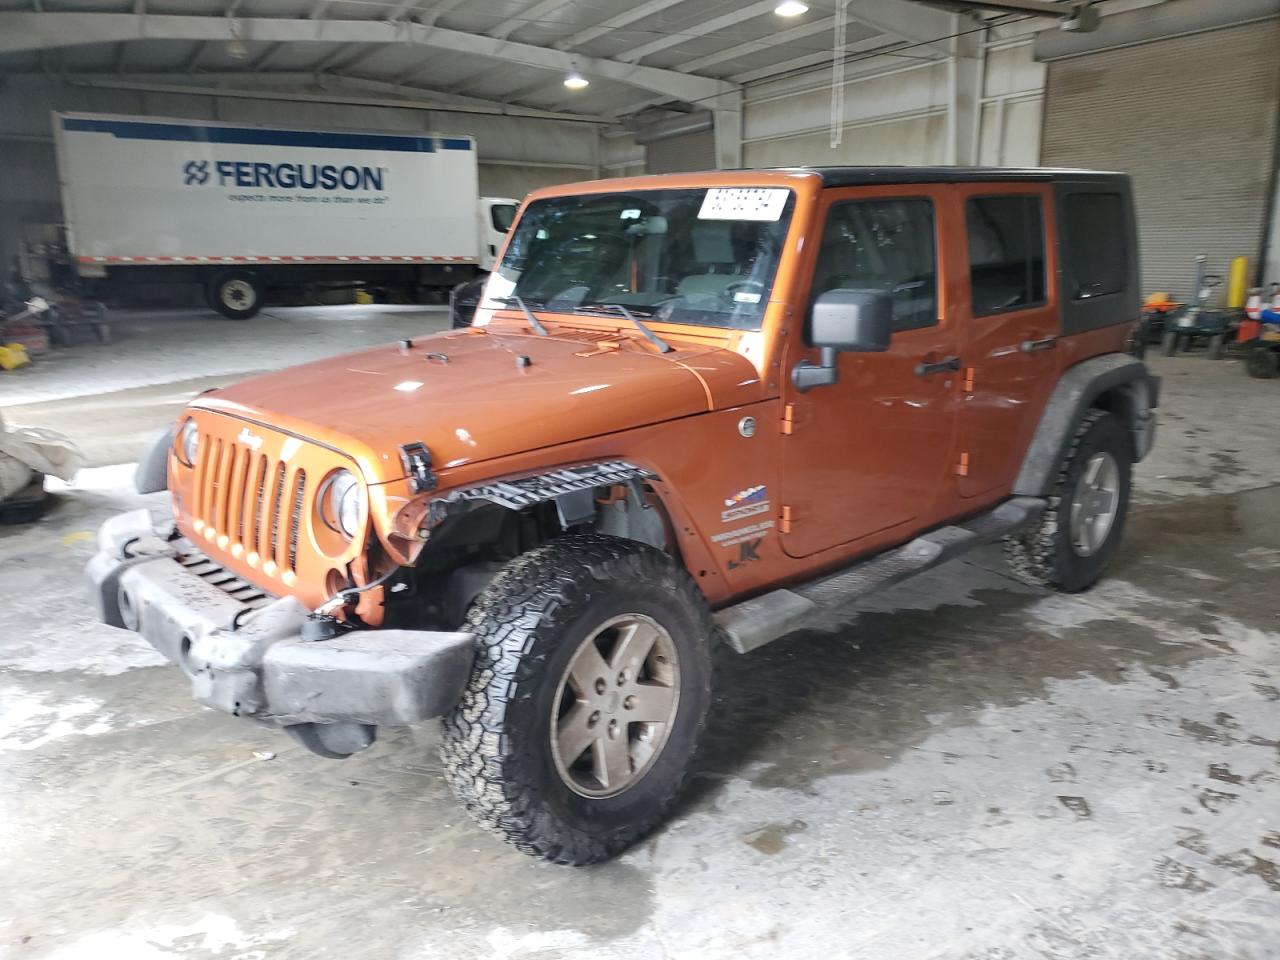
[245,652]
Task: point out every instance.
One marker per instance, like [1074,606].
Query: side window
[502,216]
[1006,253]
[882,245]
[1095,234]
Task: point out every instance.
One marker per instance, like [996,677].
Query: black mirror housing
[855,320]
[858,321]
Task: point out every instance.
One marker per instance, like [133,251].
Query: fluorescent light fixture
[791,8]
[575,81]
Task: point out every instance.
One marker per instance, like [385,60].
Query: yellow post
[1237,283]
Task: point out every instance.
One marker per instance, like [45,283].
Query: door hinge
[968,378]
[962,468]
[788,425]
[784,522]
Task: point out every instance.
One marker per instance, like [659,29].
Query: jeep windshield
[701,256]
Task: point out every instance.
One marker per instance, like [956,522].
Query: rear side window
[1006,253]
[1097,252]
[883,245]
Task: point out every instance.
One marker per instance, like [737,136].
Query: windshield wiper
[639,324]
[533,320]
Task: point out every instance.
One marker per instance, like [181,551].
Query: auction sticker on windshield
[743,203]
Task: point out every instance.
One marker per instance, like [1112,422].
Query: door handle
[1033,346]
[945,365]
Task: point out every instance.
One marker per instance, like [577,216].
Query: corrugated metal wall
[1193,119]
[683,152]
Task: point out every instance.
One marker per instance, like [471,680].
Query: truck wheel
[1262,362]
[1072,543]
[236,294]
[588,697]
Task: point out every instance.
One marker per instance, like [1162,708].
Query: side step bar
[753,623]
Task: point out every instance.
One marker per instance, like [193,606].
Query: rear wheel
[236,294]
[589,694]
[1262,362]
[1072,543]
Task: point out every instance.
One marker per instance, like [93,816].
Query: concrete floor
[961,768]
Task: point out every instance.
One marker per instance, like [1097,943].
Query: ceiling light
[791,8]
[575,81]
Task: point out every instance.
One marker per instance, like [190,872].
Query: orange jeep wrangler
[693,410]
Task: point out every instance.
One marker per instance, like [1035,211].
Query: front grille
[249,503]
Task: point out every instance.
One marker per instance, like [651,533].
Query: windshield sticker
[745,503]
[743,203]
[746,296]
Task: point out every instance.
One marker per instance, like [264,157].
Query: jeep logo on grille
[252,441]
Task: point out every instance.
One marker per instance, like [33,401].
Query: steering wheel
[739,286]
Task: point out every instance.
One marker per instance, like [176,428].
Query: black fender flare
[152,474]
[1116,381]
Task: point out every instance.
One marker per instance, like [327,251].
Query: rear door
[872,452]
[1008,328]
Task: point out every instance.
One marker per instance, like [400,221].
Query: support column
[965,75]
[727,116]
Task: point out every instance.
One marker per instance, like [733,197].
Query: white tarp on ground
[28,450]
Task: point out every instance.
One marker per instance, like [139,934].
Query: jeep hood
[478,395]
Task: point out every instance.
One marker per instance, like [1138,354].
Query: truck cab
[693,411]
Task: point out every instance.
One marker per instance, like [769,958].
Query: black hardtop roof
[866,176]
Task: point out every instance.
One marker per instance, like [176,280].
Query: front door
[873,452]
[1008,325]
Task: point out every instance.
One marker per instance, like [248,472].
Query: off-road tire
[1262,362]
[1042,554]
[528,624]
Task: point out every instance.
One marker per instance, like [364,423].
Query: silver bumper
[243,650]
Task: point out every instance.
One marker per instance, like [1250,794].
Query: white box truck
[247,210]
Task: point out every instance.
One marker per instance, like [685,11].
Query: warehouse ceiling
[508,56]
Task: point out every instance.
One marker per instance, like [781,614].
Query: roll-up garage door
[686,151]
[1193,120]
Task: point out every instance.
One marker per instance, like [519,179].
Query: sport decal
[745,503]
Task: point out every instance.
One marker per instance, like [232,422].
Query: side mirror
[860,321]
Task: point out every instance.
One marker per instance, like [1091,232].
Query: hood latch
[417,464]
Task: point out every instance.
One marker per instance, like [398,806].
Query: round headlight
[344,503]
[189,442]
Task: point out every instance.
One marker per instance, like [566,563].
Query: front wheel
[1073,542]
[589,695]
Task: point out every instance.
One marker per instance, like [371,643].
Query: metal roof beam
[801,32]
[872,47]
[530,14]
[359,94]
[36,31]
[904,20]
[749,12]
[613,23]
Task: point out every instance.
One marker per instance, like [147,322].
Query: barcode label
[743,203]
